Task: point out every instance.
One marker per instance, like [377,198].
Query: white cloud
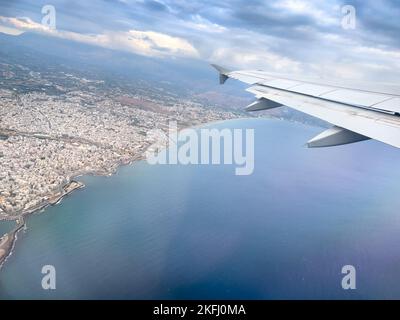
[147,43]
[329,15]
[10,31]
[22,24]
[244,58]
[199,23]
[299,36]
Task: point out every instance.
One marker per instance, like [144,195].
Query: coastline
[73,184]
[8,240]
[68,188]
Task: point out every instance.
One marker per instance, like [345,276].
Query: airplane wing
[357,112]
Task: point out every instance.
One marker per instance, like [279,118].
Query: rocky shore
[7,241]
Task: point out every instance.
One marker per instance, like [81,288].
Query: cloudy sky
[290,36]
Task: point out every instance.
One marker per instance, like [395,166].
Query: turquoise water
[201,232]
[6,226]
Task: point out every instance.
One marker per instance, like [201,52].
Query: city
[48,140]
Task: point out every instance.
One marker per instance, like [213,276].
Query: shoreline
[69,187]
[8,240]
[55,199]
[73,184]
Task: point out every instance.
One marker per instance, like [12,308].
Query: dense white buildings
[47,140]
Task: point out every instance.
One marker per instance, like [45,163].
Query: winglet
[223,73]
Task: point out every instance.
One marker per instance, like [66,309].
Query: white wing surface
[358,112]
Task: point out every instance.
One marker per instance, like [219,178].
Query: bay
[186,232]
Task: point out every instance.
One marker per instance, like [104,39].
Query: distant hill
[190,78]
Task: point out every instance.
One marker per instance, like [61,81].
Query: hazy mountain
[190,78]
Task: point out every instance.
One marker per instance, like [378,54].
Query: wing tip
[223,73]
[220,69]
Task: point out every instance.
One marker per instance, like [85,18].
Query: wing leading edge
[358,112]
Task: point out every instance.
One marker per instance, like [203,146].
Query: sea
[202,232]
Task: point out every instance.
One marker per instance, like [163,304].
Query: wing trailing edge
[358,112]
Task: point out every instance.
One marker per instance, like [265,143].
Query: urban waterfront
[184,232]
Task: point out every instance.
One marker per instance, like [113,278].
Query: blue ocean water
[186,232]
[6,226]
